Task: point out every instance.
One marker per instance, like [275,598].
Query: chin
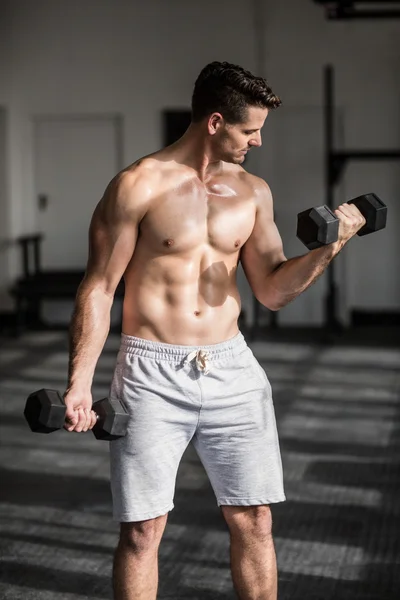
[235,160]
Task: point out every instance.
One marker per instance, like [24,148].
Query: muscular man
[175,225]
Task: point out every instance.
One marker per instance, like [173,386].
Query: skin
[175,225]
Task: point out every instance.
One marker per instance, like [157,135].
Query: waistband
[172,352]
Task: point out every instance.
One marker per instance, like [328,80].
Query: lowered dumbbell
[319,226]
[45,412]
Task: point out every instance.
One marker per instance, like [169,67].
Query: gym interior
[87,88]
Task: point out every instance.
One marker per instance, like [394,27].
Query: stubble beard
[233,158]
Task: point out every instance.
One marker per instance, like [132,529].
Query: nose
[256,140]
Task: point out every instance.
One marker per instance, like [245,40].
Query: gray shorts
[219,398]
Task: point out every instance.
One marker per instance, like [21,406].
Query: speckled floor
[337,536]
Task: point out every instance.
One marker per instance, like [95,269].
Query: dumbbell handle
[97,416]
[375,203]
[120,428]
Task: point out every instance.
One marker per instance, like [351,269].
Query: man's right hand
[350,221]
[79,415]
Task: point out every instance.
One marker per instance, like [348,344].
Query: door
[75,158]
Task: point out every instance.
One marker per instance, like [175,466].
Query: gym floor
[336,536]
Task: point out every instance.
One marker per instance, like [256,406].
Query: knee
[142,536]
[249,521]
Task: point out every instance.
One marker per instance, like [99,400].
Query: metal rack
[335,162]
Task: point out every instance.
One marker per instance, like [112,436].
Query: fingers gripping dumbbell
[45,412]
[319,226]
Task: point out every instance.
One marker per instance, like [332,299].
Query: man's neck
[193,150]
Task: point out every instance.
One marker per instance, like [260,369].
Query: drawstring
[202,357]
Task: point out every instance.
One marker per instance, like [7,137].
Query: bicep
[263,251]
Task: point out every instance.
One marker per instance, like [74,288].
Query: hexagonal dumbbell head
[112,421]
[373,210]
[317,227]
[45,411]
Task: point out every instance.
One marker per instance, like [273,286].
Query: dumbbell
[45,412]
[319,226]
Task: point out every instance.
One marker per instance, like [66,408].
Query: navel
[168,243]
[196,313]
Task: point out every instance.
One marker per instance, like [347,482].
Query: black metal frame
[339,10]
[335,162]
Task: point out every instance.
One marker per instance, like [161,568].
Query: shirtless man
[175,225]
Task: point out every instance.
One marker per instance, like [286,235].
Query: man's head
[233,105]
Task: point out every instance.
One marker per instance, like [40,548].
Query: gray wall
[366,56]
[4,225]
[5,198]
[137,58]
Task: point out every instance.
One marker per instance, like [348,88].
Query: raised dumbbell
[45,412]
[319,226]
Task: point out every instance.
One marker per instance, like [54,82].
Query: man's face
[232,142]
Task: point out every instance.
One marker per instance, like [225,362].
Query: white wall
[101,56]
[137,58]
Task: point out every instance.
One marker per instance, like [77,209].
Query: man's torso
[180,285]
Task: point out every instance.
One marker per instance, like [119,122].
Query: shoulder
[147,175]
[139,176]
[131,190]
[258,185]
[258,189]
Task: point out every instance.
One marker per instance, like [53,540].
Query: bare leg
[135,570]
[135,577]
[253,560]
[253,566]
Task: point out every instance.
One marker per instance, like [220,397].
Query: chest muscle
[178,226]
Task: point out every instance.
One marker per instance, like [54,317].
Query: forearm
[295,275]
[88,332]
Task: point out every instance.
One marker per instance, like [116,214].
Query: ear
[215,121]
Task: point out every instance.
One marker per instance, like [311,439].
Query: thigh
[144,463]
[237,437]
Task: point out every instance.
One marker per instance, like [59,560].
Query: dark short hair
[229,89]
